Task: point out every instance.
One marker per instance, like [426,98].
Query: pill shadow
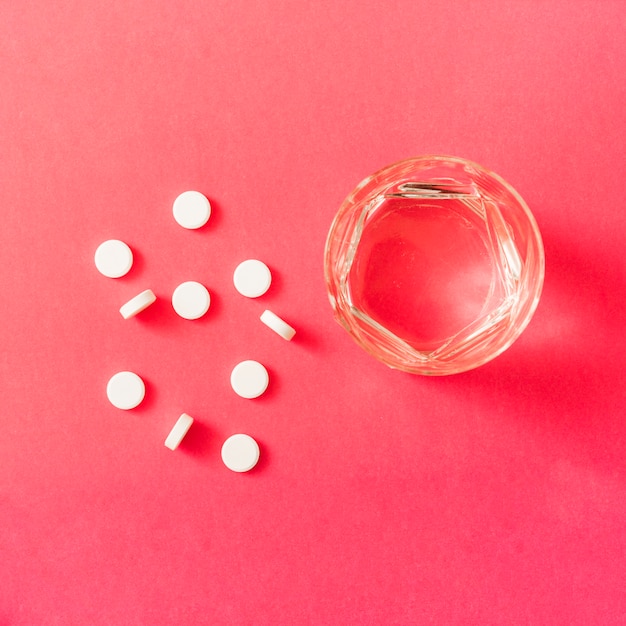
[215,309]
[150,398]
[139,262]
[273,388]
[307,339]
[197,441]
[159,315]
[277,285]
[265,457]
[217,215]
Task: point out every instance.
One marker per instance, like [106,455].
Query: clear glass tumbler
[434,265]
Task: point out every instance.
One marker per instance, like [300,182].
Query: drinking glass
[434,265]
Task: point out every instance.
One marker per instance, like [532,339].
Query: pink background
[492,497]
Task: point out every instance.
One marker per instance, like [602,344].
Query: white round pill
[192,209]
[113,258]
[125,390]
[178,432]
[249,379]
[137,304]
[191,300]
[252,278]
[277,325]
[240,453]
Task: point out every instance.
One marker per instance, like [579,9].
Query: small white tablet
[126,390]
[178,432]
[137,304]
[252,278]
[191,300]
[113,258]
[240,453]
[249,379]
[279,326]
[192,209]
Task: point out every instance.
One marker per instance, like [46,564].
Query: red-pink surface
[492,497]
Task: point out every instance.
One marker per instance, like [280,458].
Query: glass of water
[434,265]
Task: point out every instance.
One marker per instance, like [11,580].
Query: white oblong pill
[192,209]
[240,453]
[137,304]
[178,432]
[191,300]
[252,278]
[249,379]
[125,390]
[278,325]
[113,258]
